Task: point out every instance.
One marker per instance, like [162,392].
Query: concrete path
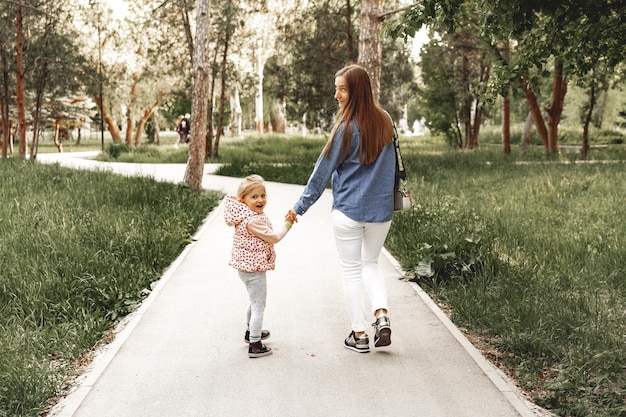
[182,353]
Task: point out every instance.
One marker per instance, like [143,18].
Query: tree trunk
[235,112]
[279,124]
[525,142]
[533,106]
[349,30]
[506,122]
[157,128]
[599,111]
[188,35]
[146,116]
[57,140]
[466,111]
[506,106]
[258,99]
[111,126]
[592,103]
[20,90]
[195,163]
[220,121]
[370,45]
[555,109]
[130,123]
[4,102]
[209,135]
[41,85]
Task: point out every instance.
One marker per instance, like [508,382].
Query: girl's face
[341,91]
[255,199]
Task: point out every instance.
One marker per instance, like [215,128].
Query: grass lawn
[525,253]
[79,250]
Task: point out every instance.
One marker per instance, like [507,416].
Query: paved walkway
[182,353]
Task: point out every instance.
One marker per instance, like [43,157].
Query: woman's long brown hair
[374,124]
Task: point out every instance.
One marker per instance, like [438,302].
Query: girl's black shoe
[258,349]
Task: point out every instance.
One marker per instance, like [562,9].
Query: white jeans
[359,245]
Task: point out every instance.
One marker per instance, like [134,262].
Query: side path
[182,353]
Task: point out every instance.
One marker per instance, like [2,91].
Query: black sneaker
[264,335]
[383,331]
[360,344]
[258,349]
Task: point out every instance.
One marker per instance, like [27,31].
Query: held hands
[291,217]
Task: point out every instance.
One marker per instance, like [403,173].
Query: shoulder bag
[401,195]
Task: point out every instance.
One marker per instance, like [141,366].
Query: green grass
[526,252]
[79,250]
[530,257]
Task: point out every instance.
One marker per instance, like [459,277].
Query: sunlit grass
[79,250]
[526,251]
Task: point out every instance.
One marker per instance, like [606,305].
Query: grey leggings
[256,284]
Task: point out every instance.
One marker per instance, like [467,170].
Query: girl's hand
[291,216]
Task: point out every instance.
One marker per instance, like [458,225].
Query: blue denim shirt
[362,192]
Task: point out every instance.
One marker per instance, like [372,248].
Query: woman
[360,159]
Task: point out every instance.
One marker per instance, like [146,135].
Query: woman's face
[341,91]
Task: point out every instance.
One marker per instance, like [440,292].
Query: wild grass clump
[80,250]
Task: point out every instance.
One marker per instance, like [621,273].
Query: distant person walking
[253,253]
[359,157]
[183,128]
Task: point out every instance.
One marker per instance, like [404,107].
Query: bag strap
[400,172]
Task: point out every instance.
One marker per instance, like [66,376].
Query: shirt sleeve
[321,175]
[265,232]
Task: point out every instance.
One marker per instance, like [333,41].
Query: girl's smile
[255,199]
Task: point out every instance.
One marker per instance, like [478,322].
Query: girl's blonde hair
[249,183]
[375,128]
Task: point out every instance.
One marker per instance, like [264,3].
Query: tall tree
[370,44]
[6,48]
[20,89]
[195,163]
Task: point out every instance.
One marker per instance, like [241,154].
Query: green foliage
[437,97]
[80,251]
[317,43]
[397,84]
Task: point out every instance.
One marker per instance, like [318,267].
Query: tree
[20,89]
[55,70]
[195,163]
[298,76]
[303,82]
[559,34]
[370,44]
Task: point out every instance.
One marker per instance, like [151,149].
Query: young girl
[253,253]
